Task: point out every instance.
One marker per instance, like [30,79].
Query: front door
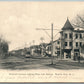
[67,55]
[76,55]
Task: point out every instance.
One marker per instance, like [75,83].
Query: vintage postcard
[41,41]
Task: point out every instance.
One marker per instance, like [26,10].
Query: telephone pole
[42,46]
[51,43]
[52,58]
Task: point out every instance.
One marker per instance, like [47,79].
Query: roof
[67,25]
[49,44]
[61,31]
[79,31]
[34,46]
[54,41]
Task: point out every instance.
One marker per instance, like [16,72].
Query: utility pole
[51,39]
[51,43]
[42,46]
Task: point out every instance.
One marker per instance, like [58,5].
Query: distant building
[34,50]
[56,48]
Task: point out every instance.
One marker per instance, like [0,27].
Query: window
[80,44]
[58,52]
[65,43]
[67,56]
[65,35]
[50,48]
[70,35]
[80,36]
[55,52]
[55,47]
[76,36]
[70,43]
[58,42]
[76,44]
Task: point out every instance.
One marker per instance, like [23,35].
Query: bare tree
[78,21]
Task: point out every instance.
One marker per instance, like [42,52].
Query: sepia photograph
[41,41]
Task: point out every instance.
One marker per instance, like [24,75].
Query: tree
[3,47]
[78,21]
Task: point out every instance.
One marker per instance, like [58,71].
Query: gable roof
[67,25]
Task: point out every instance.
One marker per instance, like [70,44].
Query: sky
[19,20]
